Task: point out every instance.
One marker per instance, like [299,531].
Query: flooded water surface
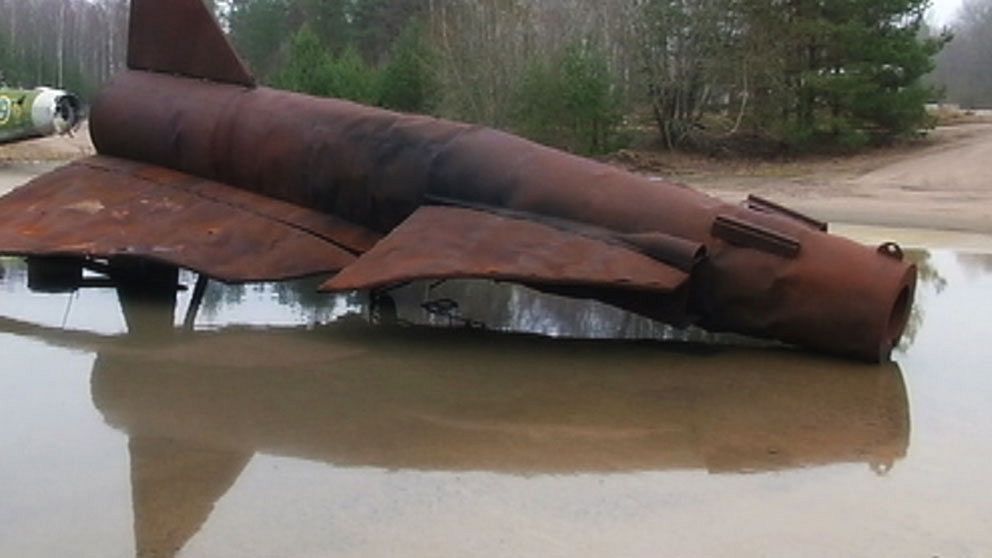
[282,425]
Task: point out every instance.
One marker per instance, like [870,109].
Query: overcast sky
[944,10]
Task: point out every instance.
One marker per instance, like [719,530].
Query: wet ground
[284,426]
[14,174]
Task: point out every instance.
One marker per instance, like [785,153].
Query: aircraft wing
[103,207]
[451,242]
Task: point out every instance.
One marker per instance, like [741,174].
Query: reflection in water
[510,307]
[929,274]
[198,406]
[976,265]
[929,278]
[309,305]
[416,400]
[196,410]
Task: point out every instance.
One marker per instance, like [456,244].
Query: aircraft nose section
[831,294]
[864,307]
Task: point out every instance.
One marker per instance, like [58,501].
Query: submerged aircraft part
[387,198]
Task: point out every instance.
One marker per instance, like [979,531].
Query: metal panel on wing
[104,208]
[450,242]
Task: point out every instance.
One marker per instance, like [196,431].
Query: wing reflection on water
[472,401]
[198,406]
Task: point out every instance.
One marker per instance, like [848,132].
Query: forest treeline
[586,75]
[77,44]
[964,68]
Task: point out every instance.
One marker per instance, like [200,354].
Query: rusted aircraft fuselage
[412,197]
[756,269]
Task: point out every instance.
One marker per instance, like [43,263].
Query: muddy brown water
[284,426]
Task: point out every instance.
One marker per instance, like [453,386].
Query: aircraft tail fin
[182,37]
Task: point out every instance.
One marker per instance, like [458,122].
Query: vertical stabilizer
[182,37]
[174,488]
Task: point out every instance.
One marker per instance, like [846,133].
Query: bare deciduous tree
[964,68]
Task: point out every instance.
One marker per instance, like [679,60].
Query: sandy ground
[943,182]
[20,162]
[58,148]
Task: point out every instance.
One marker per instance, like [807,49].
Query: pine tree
[568,100]
[259,28]
[309,68]
[964,68]
[851,71]
[408,82]
[352,79]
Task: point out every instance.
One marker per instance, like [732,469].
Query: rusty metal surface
[348,236]
[758,203]
[680,253]
[181,37]
[762,269]
[785,279]
[104,208]
[449,242]
[750,235]
[835,296]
